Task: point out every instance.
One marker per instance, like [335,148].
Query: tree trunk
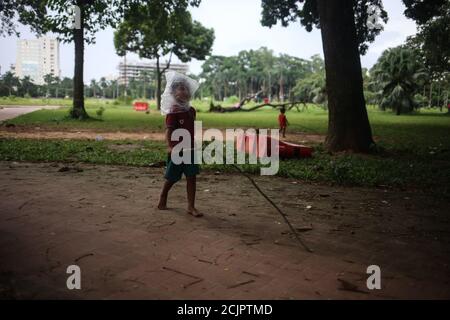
[270,88]
[158,84]
[78,110]
[145,94]
[430,97]
[439,97]
[446,102]
[348,123]
[125,87]
[281,94]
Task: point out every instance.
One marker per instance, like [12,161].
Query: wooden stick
[276,207]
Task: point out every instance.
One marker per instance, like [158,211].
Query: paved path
[103,219]
[9,112]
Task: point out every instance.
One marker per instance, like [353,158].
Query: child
[179,114]
[283,122]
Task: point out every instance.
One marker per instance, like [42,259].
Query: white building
[133,69]
[36,58]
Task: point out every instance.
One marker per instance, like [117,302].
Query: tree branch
[168,63]
[238,107]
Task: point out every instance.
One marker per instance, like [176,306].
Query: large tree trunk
[158,84]
[348,123]
[78,110]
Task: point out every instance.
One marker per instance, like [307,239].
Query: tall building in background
[134,69]
[36,58]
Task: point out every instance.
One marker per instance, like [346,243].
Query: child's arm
[171,125]
[169,132]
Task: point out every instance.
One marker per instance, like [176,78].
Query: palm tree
[94,87]
[10,81]
[49,82]
[27,86]
[103,85]
[57,83]
[397,75]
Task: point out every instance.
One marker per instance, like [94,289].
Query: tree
[253,71]
[311,89]
[433,37]
[158,28]
[11,82]
[49,81]
[27,87]
[212,72]
[57,83]
[67,86]
[345,34]
[94,87]
[398,73]
[432,41]
[103,86]
[27,12]
[56,16]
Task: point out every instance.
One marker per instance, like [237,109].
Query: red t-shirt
[181,120]
[282,120]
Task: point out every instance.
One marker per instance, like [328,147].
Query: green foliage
[155,28]
[124,100]
[399,165]
[311,89]
[56,16]
[398,74]
[100,111]
[413,150]
[232,100]
[287,11]
[251,71]
[433,37]
[28,12]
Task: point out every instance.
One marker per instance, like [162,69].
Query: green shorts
[175,171]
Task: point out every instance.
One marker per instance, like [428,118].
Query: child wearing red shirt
[181,115]
[283,122]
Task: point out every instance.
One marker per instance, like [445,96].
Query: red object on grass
[286,150]
[140,106]
[292,150]
[266,100]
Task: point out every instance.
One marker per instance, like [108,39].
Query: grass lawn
[414,149]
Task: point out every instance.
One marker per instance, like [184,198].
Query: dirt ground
[45,133]
[103,219]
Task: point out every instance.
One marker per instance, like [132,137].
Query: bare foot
[162,205]
[194,212]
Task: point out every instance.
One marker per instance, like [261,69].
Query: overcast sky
[237,27]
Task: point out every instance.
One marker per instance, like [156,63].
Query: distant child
[179,114]
[283,122]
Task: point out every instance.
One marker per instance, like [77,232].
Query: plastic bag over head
[169,103]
